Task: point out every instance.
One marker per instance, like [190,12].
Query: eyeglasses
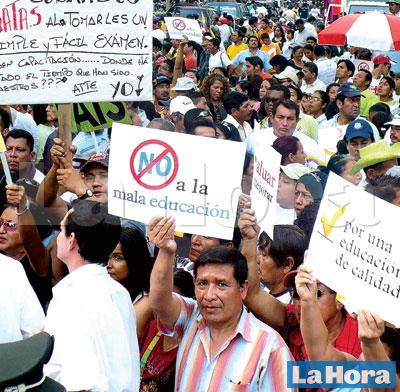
[8,226]
[202,114]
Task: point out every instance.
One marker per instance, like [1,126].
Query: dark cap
[314,183]
[96,159]
[160,79]
[193,115]
[359,128]
[21,365]
[349,90]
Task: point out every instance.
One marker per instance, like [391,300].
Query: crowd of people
[137,306]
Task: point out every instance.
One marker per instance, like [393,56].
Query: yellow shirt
[272,49]
[232,51]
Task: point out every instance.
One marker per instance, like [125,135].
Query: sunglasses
[202,114]
[8,226]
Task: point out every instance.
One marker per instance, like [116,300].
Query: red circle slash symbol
[145,164]
[179,24]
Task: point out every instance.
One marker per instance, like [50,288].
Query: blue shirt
[240,59]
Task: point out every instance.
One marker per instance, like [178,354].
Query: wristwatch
[87,194]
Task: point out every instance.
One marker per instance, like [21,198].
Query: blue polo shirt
[240,59]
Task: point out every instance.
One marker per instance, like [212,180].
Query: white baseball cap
[181,105]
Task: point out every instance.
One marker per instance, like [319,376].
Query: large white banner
[355,250]
[194,178]
[54,51]
[267,163]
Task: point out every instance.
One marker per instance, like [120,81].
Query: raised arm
[370,328]
[37,253]
[263,305]
[177,73]
[164,304]
[47,195]
[312,326]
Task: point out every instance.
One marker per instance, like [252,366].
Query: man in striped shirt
[223,347]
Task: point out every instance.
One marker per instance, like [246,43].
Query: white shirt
[320,119]
[308,89]
[332,123]
[225,32]
[315,12]
[244,130]
[219,60]
[314,154]
[20,310]
[300,38]
[92,319]
[326,70]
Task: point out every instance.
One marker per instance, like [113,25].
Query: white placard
[363,64]
[178,27]
[194,178]
[265,186]
[355,250]
[328,139]
[75,51]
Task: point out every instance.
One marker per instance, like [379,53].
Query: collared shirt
[254,359]
[20,310]
[92,319]
[244,130]
[308,89]
[326,70]
[240,59]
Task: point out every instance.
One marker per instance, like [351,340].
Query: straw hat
[376,153]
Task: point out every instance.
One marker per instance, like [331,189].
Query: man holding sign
[229,348]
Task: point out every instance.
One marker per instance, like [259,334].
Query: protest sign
[75,51]
[354,249]
[154,172]
[178,27]
[328,139]
[265,186]
[363,65]
[96,116]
